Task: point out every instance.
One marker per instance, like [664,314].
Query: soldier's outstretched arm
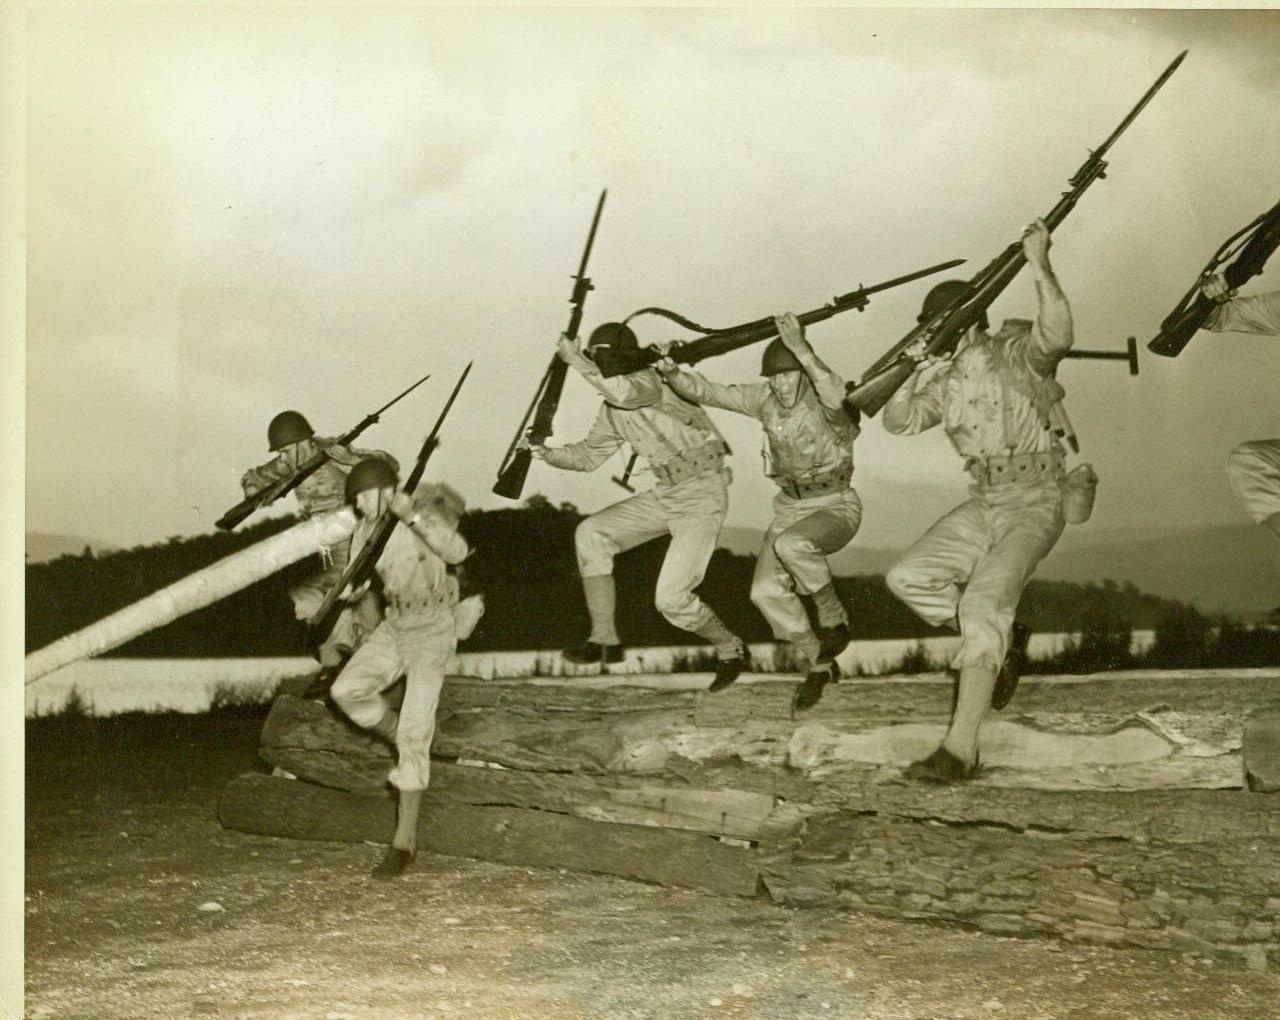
[587,454]
[1052,333]
[1257,314]
[694,386]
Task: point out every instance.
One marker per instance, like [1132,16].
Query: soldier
[999,403]
[291,438]
[1252,467]
[808,452]
[689,501]
[416,639]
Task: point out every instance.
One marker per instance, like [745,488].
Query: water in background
[109,686]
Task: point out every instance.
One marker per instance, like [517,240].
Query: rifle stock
[872,394]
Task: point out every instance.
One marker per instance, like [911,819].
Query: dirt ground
[140,905]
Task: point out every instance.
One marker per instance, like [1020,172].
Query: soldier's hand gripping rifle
[542,409]
[1250,247]
[360,567]
[938,335]
[270,493]
[620,360]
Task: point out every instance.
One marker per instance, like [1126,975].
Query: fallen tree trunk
[195,591]
[508,835]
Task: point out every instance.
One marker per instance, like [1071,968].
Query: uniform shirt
[413,568]
[1257,314]
[992,394]
[325,488]
[641,410]
[813,436]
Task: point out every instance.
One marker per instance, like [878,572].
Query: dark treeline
[524,564]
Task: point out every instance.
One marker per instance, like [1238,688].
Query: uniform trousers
[692,512]
[420,646]
[971,566]
[793,557]
[1254,471]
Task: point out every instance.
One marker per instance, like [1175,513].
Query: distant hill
[1231,569]
[43,546]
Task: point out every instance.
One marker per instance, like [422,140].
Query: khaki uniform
[1253,467]
[1000,405]
[417,638]
[689,500]
[321,491]
[808,452]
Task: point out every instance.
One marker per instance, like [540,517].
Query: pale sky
[237,210]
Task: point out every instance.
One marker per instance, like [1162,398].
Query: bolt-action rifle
[620,360]
[270,493]
[940,333]
[360,568]
[546,399]
[1250,247]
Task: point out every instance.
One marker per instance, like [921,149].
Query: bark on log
[195,591]
[510,835]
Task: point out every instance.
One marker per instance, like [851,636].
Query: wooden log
[666,734]
[295,809]
[195,591]
[1116,880]
[1262,750]
[737,814]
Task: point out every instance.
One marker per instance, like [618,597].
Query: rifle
[269,494]
[619,361]
[941,332]
[361,565]
[546,398]
[1253,245]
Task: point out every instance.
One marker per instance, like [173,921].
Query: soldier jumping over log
[998,401]
[1253,467]
[292,439]
[689,501]
[416,639]
[808,452]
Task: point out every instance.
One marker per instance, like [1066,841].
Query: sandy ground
[140,905]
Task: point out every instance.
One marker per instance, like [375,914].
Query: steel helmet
[939,297]
[370,473]
[613,334]
[288,427]
[778,358]
[942,295]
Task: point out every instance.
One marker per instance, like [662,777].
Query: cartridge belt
[416,606]
[823,483]
[1017,468]
[691,463]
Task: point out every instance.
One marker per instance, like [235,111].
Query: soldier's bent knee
[899,580]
